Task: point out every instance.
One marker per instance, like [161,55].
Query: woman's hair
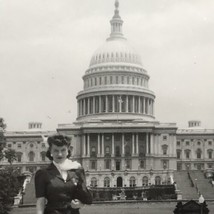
[58,140]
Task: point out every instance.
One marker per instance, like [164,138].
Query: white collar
[67,165]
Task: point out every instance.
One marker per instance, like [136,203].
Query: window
[122,79]
[107,164]
[19,145]
[157,180]
[43,155]
[117,165]
[210,143]
[19,156]
[128,81]
[107,151]
[9,145]
[187,143]
[179,166]
[132,80]
[111,80]
[178,154]
[132,182]
[127,163]
[145,181]
[142,164]
[210,154]
[187,154]
[106,182]
[93,164]
[210,165]
[178,143]
[31,156]
[31,145]
[164,148]
[93,182]
[117,151]
[93,151]
[198,153]
[199,143]
[164,137]
[127,150]
[165,164]
[187,165]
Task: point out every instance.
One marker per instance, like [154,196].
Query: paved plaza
[124,208]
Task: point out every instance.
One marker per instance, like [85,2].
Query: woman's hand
[76,204]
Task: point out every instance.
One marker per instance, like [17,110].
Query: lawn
[124,208]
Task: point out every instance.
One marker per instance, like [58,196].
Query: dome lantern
[116,24]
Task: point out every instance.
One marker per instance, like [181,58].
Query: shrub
[9,188]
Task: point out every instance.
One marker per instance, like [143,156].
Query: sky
[46,47]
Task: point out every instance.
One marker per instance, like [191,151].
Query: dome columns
[115,104]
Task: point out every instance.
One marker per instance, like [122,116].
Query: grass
[125,208]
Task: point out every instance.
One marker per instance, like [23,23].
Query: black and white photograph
[106,106]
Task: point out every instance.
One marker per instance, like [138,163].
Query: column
[98,144]
[99,104]
[89,105]
[84,145]
[112,145]
[158,146]
[123,145]
[78,108]
[106,103]
[93,105]
[88,144]
[84,106]
[120,104]
[144,105]
[127,103]
[147,105]
[152,108]
[139,104]
[147,143]
[113,103]
[133,104]
[151,143]
[133,148]
[137,143]
[102,154]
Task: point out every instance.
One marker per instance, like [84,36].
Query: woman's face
[59,153]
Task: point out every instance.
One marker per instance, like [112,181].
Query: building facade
[195,147]
[29,146]
[116,136]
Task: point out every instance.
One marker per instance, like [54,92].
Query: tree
[2,124]
[10,155]
[9,183]
[2,138]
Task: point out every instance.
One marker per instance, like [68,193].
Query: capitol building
[116,136]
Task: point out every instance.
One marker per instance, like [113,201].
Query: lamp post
[201,202]
[196,186]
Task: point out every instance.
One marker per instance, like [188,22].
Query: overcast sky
[46,47]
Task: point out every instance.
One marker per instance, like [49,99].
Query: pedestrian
[61,187]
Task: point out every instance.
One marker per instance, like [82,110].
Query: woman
[61,187]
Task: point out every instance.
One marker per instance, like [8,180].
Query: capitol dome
[116,50]
[115,82]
